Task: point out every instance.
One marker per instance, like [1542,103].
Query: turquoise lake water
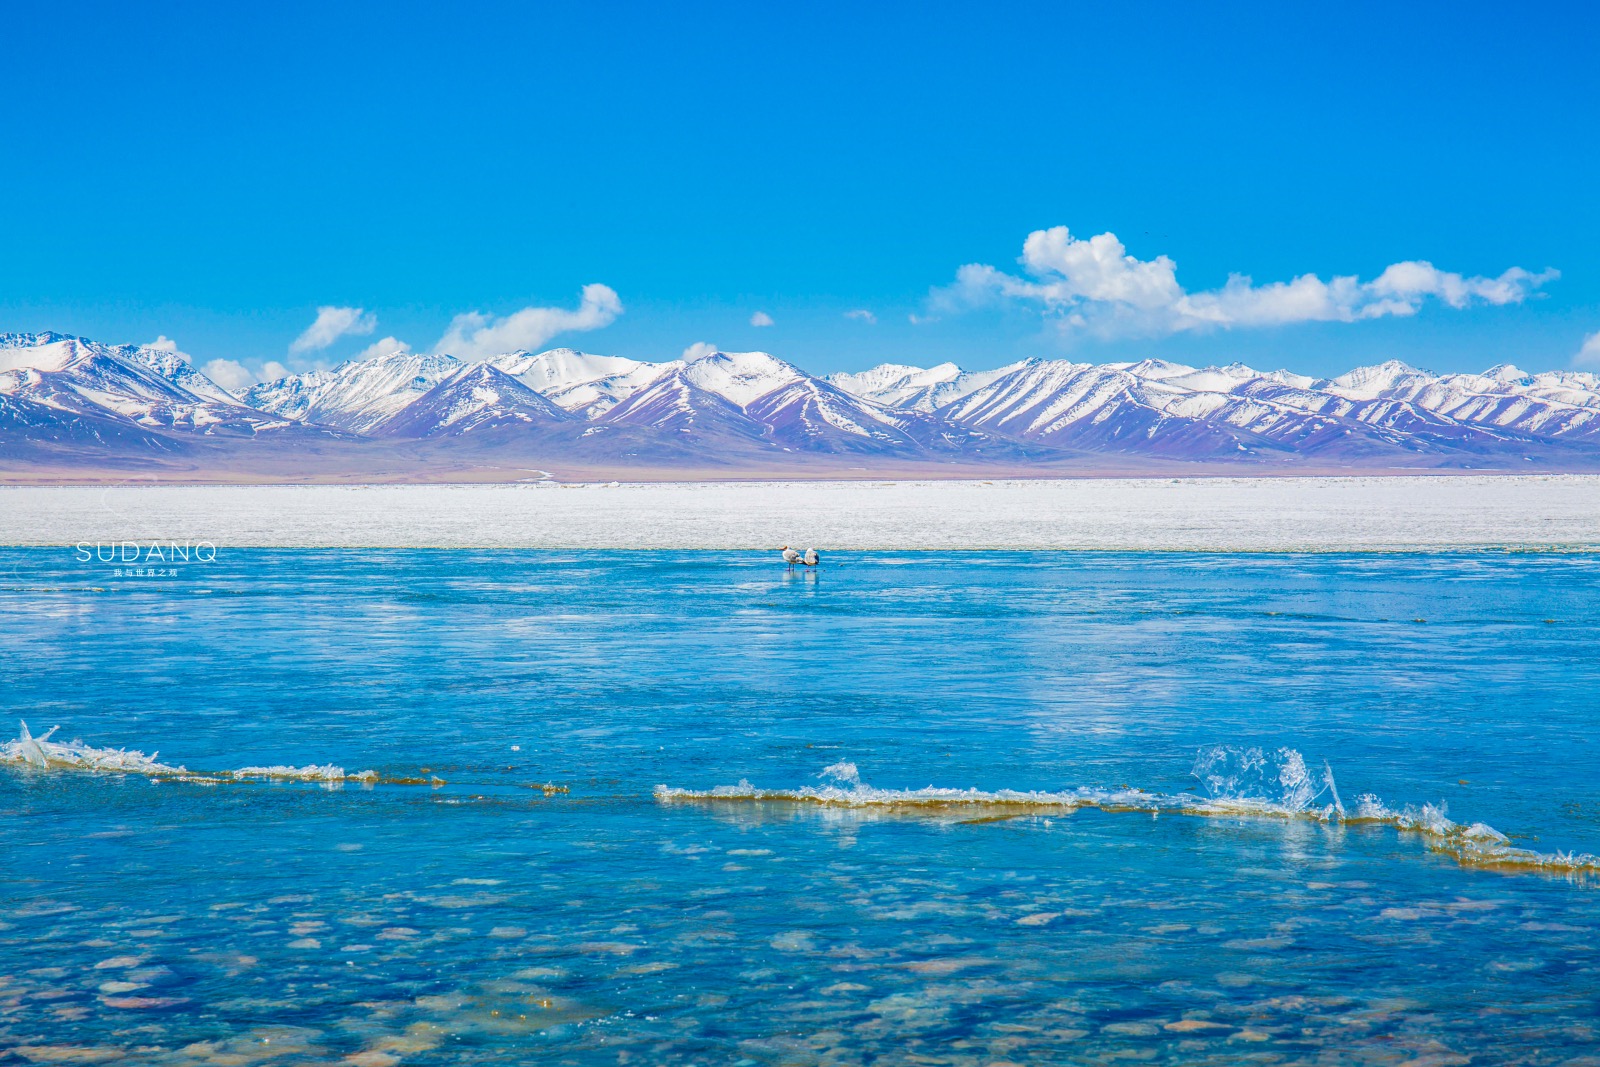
[656,808]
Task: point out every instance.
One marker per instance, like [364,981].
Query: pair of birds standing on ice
[810,559]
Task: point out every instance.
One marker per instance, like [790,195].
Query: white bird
[790,556]
[811,558]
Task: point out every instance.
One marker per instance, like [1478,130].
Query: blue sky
[217,176]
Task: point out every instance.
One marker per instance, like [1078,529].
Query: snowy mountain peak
[478,396]
[1509,373]
[1368,383]
[43,352]
[1299,381]
[59,392]
[562,368]
[915,388]
[401,361]
[1387,371]
[739,377]
[144,366]
[1155,369]
[580,382]
[357,395]
[34,340]
[175,367]
[153,388]
[894,377]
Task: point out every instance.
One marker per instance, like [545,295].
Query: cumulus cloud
[1095,284]
[1589,354]
[761,318]
[163,343]
[864,315]
[331,324]
[272,370]
[386,347]
[232,375]
[475,335]
[699,350]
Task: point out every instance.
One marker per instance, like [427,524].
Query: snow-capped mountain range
[68,402]
[1169,407]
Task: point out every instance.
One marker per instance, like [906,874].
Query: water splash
[844,775]
[1237,781]
[41,753]
[1477,844]
[1278,778]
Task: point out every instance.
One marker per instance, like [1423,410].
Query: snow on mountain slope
[153,388]
[37,432]
[179,371]
[585,384]
[1157,407]
[739,377]
[477,398]
[591,386]
[1020,398]
[894,384]
[1382,380]
[675,404]
[813,415]
[356,395]
[756,397]
[1562,404]
[723,408]
[796,408]
[1174,409]
[561,368]
[708,396]
[914,388]
[63,371]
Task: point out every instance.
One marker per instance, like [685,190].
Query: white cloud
[699,350]
[163,343]
[475,335]
[272,370]
[228,373]
[331,324]
[1099,269]
[1095,284]
[864,315]
[386,347]
[761,318]
[1589,354]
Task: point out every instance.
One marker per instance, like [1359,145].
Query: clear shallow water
[485,919]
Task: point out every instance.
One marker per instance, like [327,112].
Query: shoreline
[493,476]
[1348,513]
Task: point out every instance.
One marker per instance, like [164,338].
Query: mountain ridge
[67,402]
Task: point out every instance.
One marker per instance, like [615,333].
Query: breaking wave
[1234,781]
[44,754]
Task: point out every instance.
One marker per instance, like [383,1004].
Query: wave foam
[1477,844]
[1238,782]
[310,773]
[44,754]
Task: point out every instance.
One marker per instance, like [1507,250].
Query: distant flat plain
[1560,512]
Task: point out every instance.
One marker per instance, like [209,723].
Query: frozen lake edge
[1554,512]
